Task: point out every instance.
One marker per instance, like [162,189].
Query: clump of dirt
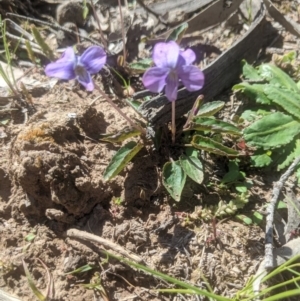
[51,164]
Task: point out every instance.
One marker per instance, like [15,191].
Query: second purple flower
[172,65]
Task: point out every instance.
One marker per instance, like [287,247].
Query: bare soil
[51,180]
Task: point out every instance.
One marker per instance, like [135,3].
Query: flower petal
[165,55]
[93,59]
[154,79]
[63,68]
[68,55]
[189,56]
[192,77]
[172,86]
[85,79]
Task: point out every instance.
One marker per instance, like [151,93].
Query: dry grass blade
[50,286]
[46,49]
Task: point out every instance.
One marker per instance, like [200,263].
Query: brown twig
[123,32]
[269,260]
[74,233]
[99,26]
[152,12]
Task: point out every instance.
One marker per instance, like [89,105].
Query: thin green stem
[173,126]
[139,128]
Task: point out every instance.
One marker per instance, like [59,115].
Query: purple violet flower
[71,66]
[172,65]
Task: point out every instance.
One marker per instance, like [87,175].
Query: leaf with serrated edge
[276,76]
[121,158]
[213,125]
[272,131]
[192,166]
[174,179]
[250,72]
[141,66]
[211,108]
[254,91]
[212,146]
[289,159]
[289,100]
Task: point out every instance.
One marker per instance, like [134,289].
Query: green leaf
[213,125]
[247,220]
[85,10]
[121,158]
[289,100]
[212,146]
[141,66]
[174,179]
[83,269]
[292,155]
[289,57]
[281,205]
[120,136]
[233,174]
[177,34]
[192,166]
[254,91]
[241,187]
[261,160]
[272,131]
[210,108]
[257,218]
[277,77]
[30,237]
[251,115]
[135,104]
[250,72]
[191,152]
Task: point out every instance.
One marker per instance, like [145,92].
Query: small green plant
[96,285]
[235,178]
[201,132]
[274,129]
[117,201]
[245,294]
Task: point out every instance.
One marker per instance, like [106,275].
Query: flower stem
[139,128]
[173,126]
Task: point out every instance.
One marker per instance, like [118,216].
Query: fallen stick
[74,233]
[269,258]
[281,255]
